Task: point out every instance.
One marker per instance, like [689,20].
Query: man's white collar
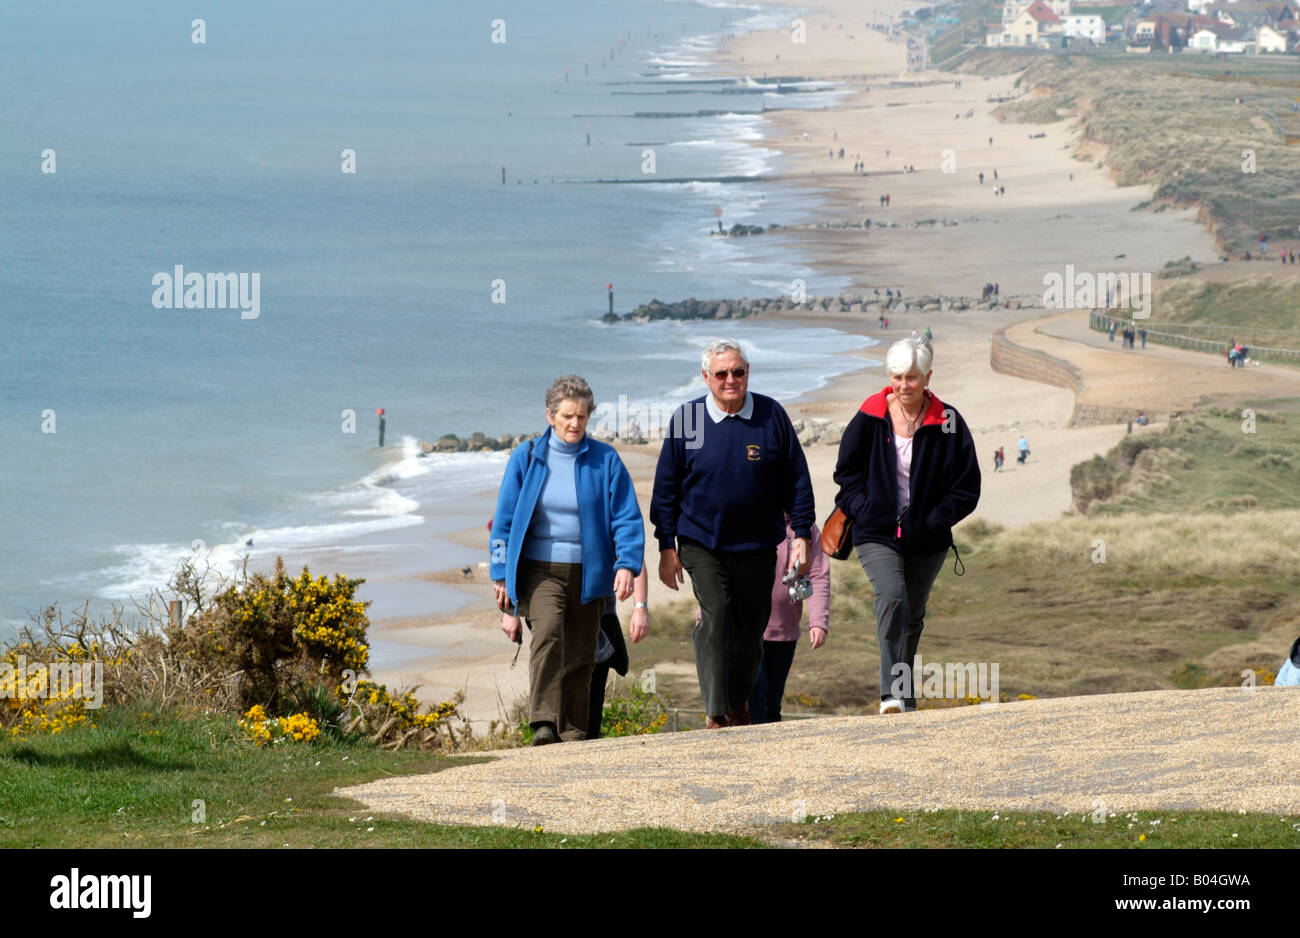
[719,415]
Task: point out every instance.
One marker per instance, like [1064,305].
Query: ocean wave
[676,62]
[151,566]
[674,76]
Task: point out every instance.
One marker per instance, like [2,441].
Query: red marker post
[717,213]
[380,414]
[610,288]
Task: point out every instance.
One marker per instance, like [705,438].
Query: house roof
[1269,11]
[1042,12]
[1249,17]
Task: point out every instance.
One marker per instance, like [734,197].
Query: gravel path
[1219,748]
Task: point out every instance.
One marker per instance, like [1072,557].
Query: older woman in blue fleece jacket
[567,532]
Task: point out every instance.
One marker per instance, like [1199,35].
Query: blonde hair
[905,353]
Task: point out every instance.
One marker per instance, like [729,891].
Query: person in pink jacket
[782,634]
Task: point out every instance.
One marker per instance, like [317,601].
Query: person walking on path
[781,639]
[1023,445]
[998,459]
[729,472]
[907,472]
[567,532]
[1142,333]
[611,649]
[1111,329]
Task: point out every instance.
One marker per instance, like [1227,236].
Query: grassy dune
[1179,123]
[1258,311]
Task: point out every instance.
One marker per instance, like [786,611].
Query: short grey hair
[719,346]
[569,388]
[905,353]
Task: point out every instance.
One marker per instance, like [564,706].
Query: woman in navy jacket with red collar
[907,472]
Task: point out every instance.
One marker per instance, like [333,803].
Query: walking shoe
[891,705]
[739,715]
[544,735]
[716,723]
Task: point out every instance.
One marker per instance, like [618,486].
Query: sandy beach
[1057,210]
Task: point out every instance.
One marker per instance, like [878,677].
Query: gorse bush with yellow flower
[279,633]
[395,720]
[634,712]
[42,689]
[299,727]
[287,653]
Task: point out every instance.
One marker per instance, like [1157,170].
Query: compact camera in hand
[800,586]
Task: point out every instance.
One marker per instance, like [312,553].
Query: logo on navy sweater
[752,452]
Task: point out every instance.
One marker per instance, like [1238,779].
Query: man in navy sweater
[729,471]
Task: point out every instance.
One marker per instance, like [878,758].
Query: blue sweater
[613,537]
[730,485]
[555,534]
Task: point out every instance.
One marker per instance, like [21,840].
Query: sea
[349,161]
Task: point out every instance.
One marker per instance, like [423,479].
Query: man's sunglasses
[735,373]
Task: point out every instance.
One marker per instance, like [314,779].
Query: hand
[640,626]
[623,584]
[499,593]
[511,626]
[799,555]
[670,569]
[818,637]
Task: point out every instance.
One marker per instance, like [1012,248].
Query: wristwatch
[640,605]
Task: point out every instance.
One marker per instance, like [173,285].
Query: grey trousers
[734,590]
[902,586]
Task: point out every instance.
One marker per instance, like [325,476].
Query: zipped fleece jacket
[944,483]
[613,536]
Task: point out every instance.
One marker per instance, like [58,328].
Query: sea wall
[866,304]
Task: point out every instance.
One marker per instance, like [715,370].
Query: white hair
[905,353]
[717,347]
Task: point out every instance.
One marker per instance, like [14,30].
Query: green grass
[1017,829]
[132,782]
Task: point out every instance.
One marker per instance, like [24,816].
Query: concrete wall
[1010,359]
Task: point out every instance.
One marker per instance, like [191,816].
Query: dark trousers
[769,684]
[902,586]
[563,650]
[734,590]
